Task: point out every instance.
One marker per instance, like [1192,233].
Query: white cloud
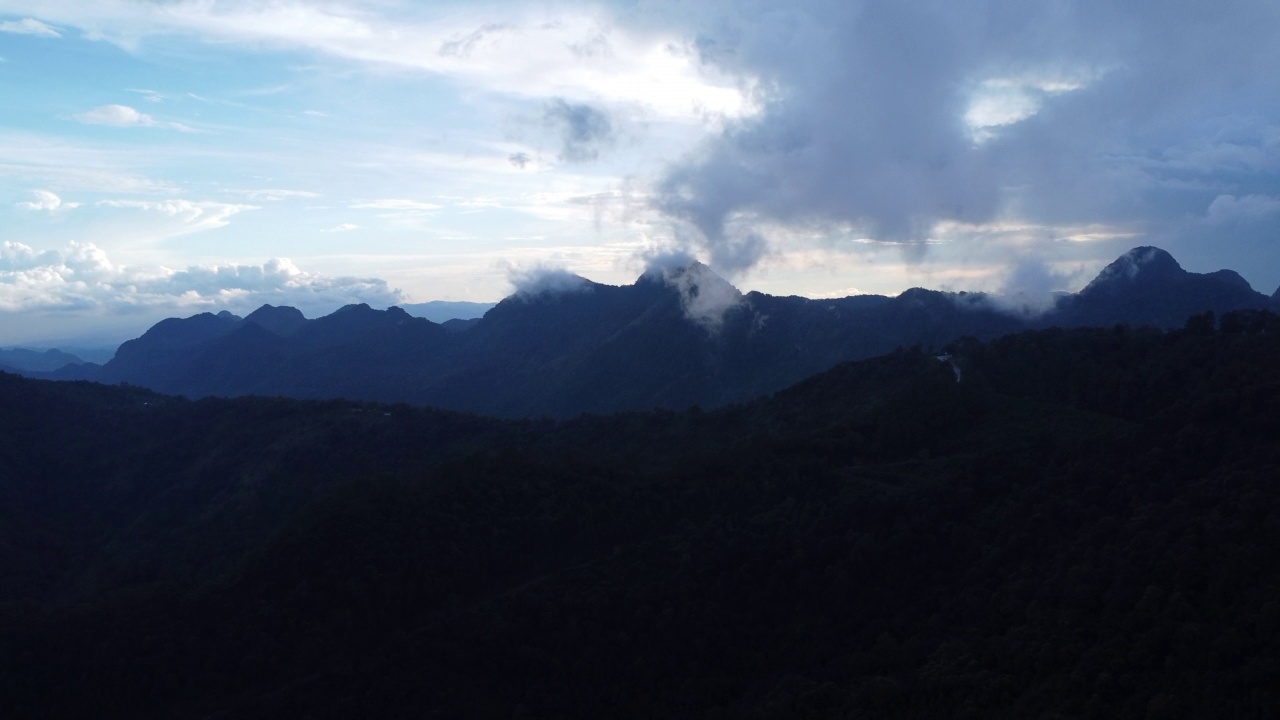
[194,216]
[125,116]
[575,52]
[542,280]
[46,200]
[401,204]
[705,296]
[1001,101]
[276,194]
[83,278]
[344,227]
[29,26]
[148,95]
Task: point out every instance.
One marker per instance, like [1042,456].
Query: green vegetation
[1086,525]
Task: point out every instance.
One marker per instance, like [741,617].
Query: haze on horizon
[167,158]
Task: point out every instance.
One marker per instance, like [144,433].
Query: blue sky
[166,158]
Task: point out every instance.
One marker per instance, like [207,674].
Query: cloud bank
[82,278]
[885,120]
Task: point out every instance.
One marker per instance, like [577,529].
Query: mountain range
[675,338]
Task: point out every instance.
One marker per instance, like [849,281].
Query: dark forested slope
[1085,525]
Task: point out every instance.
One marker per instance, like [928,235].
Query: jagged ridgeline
[1083,525]
[675,339]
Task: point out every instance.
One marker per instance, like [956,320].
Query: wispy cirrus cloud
[275,194]
[29,26]
[396,204]
[124,116]
[47,201]
[193,215]
[52,162]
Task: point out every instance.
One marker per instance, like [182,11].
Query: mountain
[36,361]
[1084,525]
[1147,286]
[282,321]
[442,311]
[675,338]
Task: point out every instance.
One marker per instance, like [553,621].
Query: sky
[166,157]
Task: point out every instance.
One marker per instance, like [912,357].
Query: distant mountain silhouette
[1146,286]
[676,337]
[442,311]
[282,321]
[22,359]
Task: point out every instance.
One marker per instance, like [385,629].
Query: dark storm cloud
[584,130]
[1096,112]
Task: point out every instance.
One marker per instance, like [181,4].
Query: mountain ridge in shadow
[675,338]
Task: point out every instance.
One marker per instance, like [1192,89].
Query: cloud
[83,278]
[47,201]
[276,194]
[148,95]
[194,216]
[82,168]
[543,280]
[705,297]
[29,26]
[344,227]
[1249,208]
[573,51]
[125,116]
[398,204]
[584,130]
[519,159]
[899,118]
[1031,288]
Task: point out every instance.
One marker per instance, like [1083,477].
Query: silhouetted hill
[1084,525]
[675,338]
[37,361]
[282,321]
[442,311]
[1146,286]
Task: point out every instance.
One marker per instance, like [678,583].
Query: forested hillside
[1085,524]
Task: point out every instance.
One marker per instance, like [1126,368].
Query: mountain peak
[1230,277]
[354,308]
[549,283]
[704,295]
[281,320]
[1140,265]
